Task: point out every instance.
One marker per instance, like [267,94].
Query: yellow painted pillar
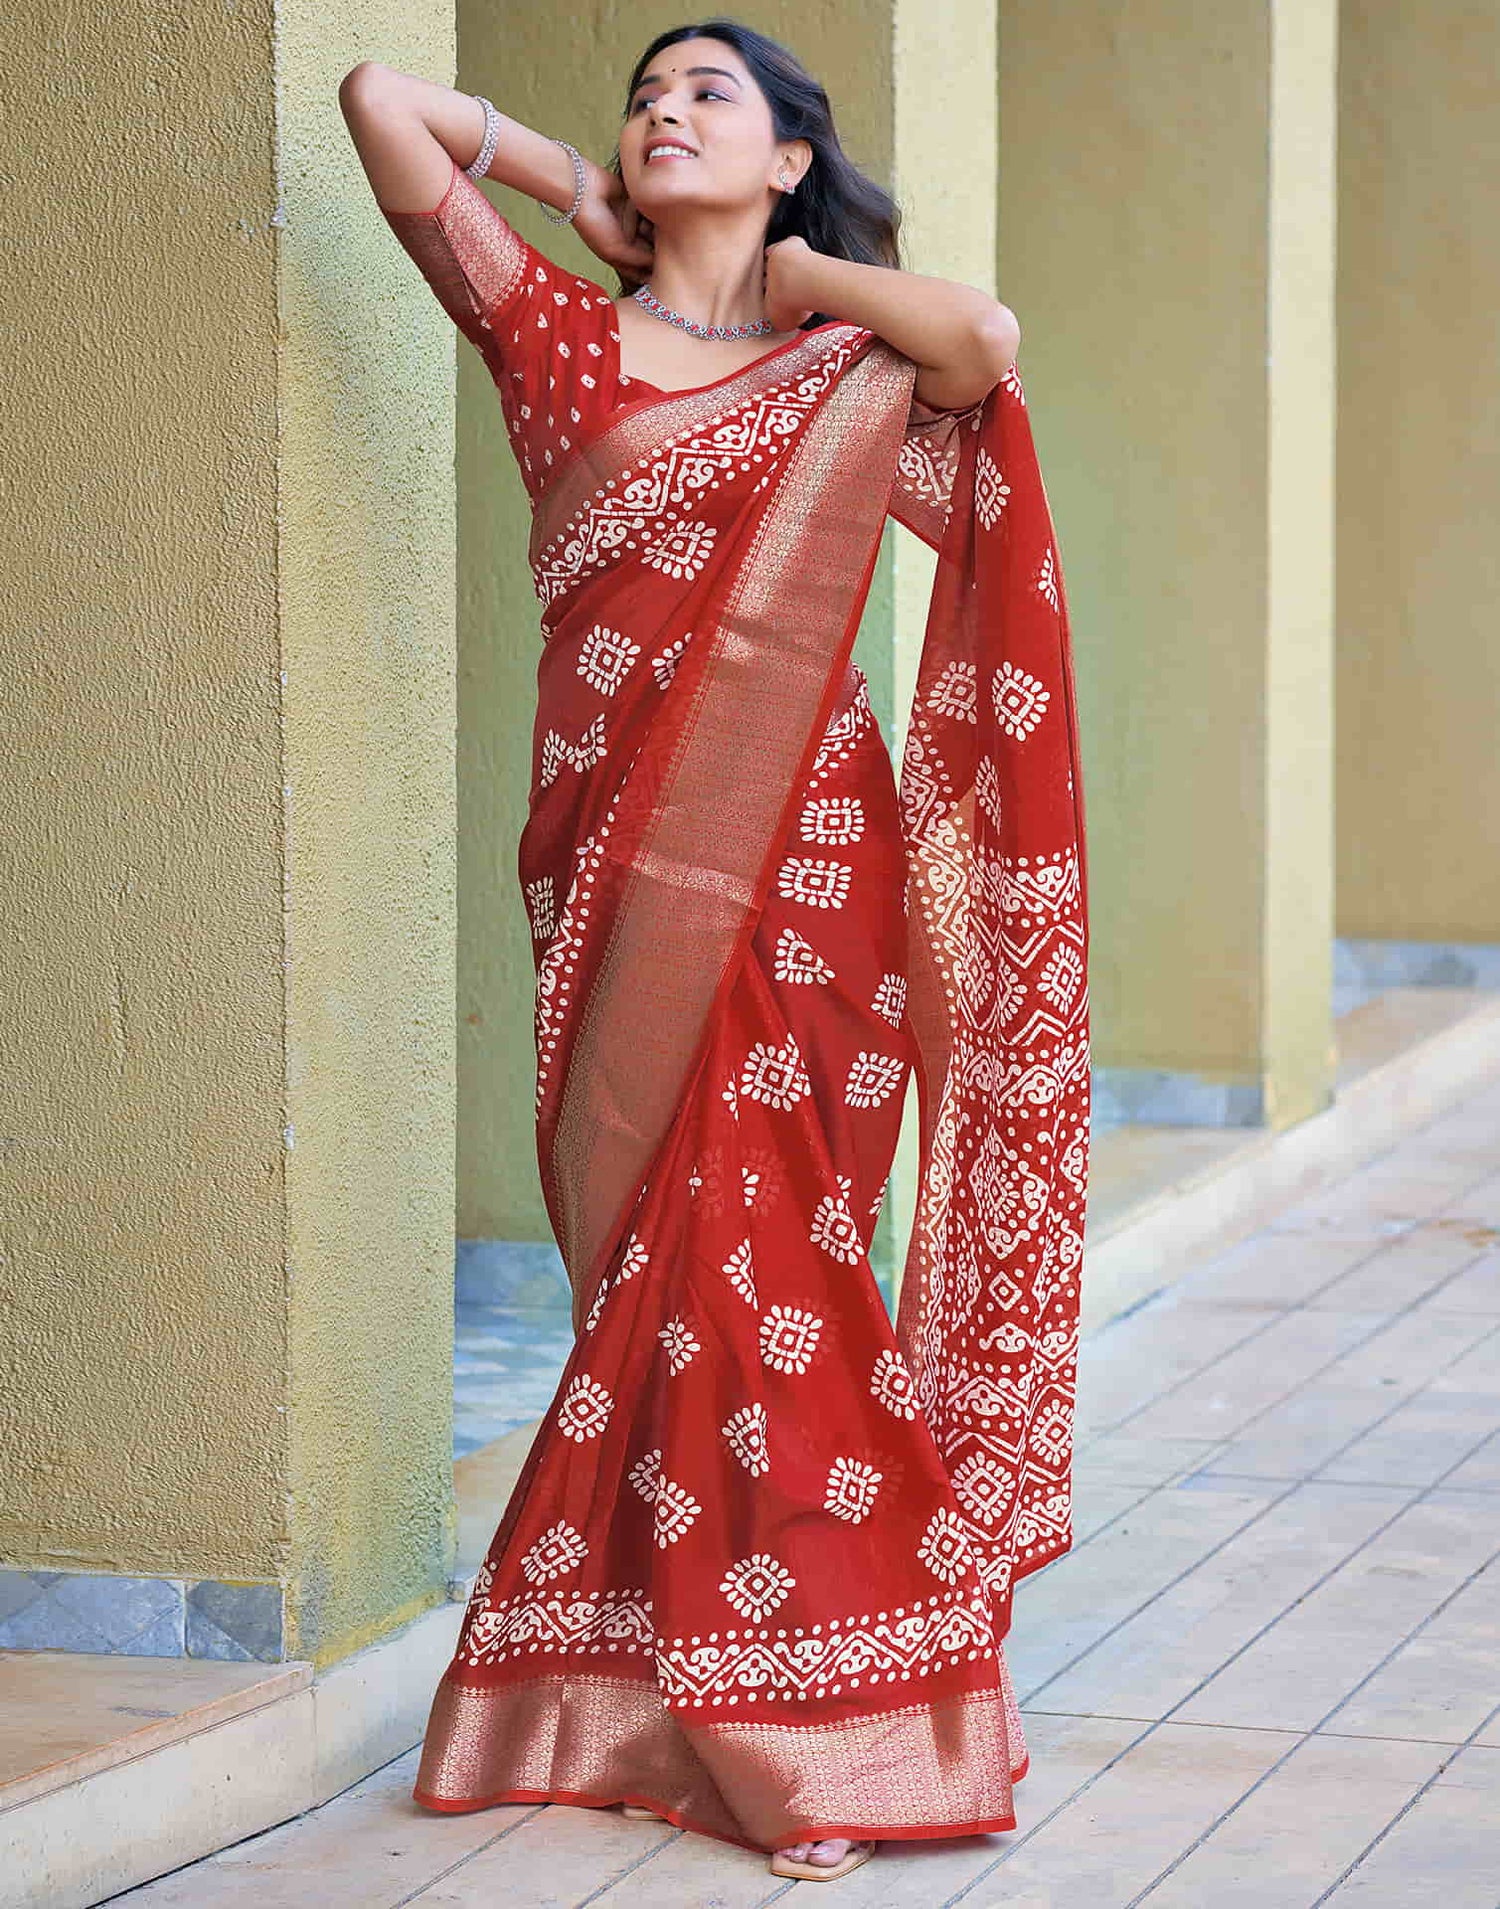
[1166,237]
[1419,486]
[227,1182]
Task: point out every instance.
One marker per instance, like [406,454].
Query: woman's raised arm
[410,133]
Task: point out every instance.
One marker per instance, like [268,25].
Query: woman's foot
[819,1861]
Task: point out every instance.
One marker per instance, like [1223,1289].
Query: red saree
[757,1571]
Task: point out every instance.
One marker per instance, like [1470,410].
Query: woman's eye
[707,92]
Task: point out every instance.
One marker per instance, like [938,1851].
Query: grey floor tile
[1444,1850]
[553,1860]
[1444,1682]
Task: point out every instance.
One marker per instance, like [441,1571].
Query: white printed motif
[559,754]
[834,1228]
[605,658]
[664,667]
[798,962]
[954,694]
[945,1547]
[541,908]
[981,1487]
[890,998]
[757,1585]
[834,820]
[789,1338]
[680,1345]
[851,1490]
[891,1383]
[1047,580]
[560,1548]
[1020,701]
[745,1433]
[873,1078]
[816,883]
[585,1409]
[775,1076]
[634,1259]
[676,1511]
[739,1269]
[680,547]
[555,1621]
[1062,977]
[990,489]
[645,1475]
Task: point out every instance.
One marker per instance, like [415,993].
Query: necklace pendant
[648,301]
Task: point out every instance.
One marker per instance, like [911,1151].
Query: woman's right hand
[610,226]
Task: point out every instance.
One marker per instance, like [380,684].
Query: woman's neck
[713,272]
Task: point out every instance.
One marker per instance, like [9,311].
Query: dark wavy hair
[836,207]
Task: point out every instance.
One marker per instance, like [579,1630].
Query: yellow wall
[229,570]
[1153,213]
[1419,473]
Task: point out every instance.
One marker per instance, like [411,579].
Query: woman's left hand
[786,299]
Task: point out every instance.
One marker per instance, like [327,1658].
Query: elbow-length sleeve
[474,259]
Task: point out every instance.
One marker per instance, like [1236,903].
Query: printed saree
[757,1571]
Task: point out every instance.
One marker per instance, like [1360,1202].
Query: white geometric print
[605,658]
[789,1338]
[746,1435]
[680,547]
[559,1549]
[990,490]
[681,1347]
[833,820]
[635,1259]
[987,788]
[1062,977]
[645,1476]
[558,753]
[890,998]
[775,1076]
[1020,701]
[851,1490]
[1047,580]
[833,1226]
[664,667]
[750,1182]
[585,1410]
[872,1078]
[676,1510]
[816,883]
[757,1585]
[891,1383]
[945,1547]
[798,962]
[739,1268]
[981,1487]
[541,907]
[954,695]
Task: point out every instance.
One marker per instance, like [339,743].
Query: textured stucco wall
[1157,180]
[230,893]
[567,80]
[1419,472]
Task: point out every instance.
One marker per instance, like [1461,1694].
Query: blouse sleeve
[470,254]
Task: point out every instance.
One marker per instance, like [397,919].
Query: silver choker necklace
[648,301]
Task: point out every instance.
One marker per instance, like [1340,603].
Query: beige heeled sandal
[638,1813]
[784,1865]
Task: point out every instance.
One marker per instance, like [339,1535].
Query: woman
[756,1574]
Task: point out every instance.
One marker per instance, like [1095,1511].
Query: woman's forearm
[387,111]
[962,340]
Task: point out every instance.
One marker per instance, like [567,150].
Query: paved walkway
[1268,1673]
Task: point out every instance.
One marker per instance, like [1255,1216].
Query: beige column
[1419,481]
[228,1012]
[1166,237]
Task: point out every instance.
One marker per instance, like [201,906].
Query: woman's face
[700,95]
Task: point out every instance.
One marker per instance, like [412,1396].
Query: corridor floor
[1267,1674]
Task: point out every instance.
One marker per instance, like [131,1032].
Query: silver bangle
[481,163]
[566,218]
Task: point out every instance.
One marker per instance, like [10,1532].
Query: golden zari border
[920,1771]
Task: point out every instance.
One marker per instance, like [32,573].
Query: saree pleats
[756,1573]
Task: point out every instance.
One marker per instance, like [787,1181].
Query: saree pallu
[756,1573]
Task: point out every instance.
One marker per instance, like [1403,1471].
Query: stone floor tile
[556,1859]
[692,1870]
[1159,1656]
[1423,1441]
[1478,1288]
[1120,1458]
[1480,1471]
[1297,1833]
[1404,1271]
[1265,1270]
[1443,1850]
[1127,1364]
[1221,1400]
[1444,1682]
[1122,1831]
[1316,1656]
[1067,1608]
[371,1845]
